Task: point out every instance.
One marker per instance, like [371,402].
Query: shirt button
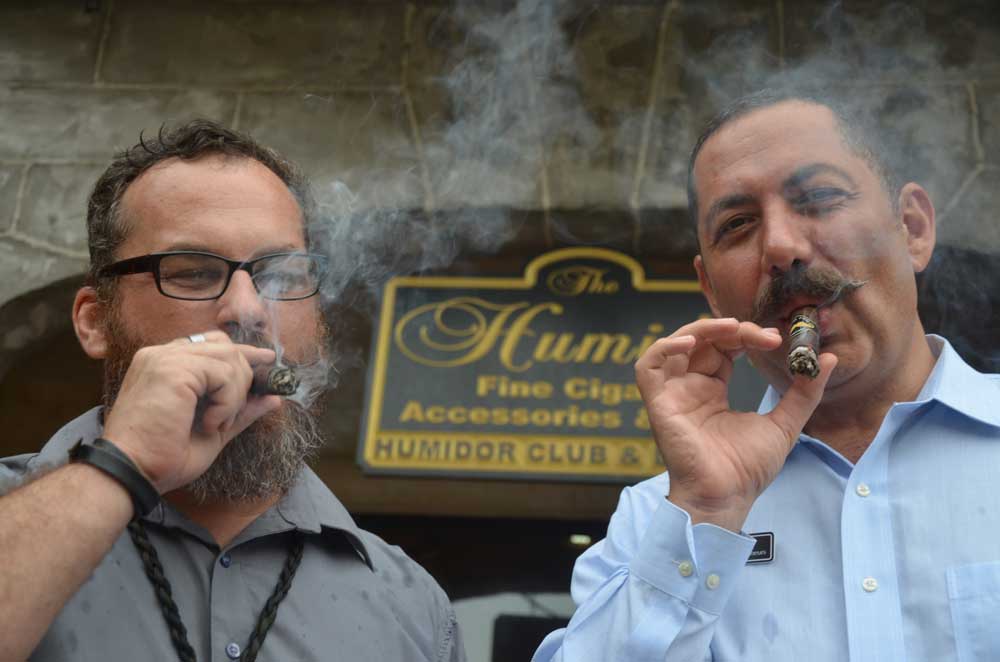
[225,561]
[685,568]
[233,650]
[870,584]
[863,490]
[712,582]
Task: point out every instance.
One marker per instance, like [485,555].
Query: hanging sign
[522,378]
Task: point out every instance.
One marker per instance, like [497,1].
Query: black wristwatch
[108,458]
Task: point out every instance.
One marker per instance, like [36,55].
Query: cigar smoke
[511,96]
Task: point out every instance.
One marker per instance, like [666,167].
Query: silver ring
[197,337]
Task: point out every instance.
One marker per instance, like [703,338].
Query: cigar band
[801,323]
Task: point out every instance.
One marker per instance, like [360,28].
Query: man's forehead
[212,176]
[789,126]
[768,145]
[199,200]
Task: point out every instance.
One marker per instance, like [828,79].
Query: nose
[786,240]
[241,307]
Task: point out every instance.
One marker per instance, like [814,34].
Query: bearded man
[854,516]
[201,270]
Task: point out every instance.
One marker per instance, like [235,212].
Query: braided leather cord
[270,611]
[178,633]
[154,570]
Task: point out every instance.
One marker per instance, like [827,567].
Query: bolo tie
[164,595]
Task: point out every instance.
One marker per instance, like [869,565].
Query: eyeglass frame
[150,263]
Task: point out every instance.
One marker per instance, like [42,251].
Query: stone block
[54,40]
[24,269]
[967,35]
[591,227]
[480,159]
[358,139]
[598,173]
[10,180]
[927,132]
[726,48]
[988,102]
[672,133]
[970,222]
[493,89]
[54,209]
[592,161]
[615,50]
[273,43]
[667,234]
[93,123]
[891,41]
[436,39]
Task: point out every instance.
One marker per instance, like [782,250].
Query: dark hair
[856,129]
[106,226]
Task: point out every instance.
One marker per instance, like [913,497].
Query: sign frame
[380,352]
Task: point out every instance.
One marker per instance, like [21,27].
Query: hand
[719,460]
[182,402]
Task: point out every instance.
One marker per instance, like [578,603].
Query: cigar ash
[274,380]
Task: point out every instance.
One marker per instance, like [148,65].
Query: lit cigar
[274,380]
[803,340]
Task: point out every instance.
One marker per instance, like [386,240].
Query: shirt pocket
[974,595]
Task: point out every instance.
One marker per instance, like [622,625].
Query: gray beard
[263,461]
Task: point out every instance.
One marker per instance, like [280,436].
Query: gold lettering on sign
[463,330]
[580,279]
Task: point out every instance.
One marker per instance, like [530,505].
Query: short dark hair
[106,227]
[856,128]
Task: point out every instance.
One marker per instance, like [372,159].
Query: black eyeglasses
[195,276]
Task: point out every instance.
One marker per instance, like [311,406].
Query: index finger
[253,354]
[212,336]
[729,334]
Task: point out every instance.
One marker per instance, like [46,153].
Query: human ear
[917,214]
[706,285]
[89,315]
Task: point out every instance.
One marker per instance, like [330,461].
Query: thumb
[801,400]
[254,409]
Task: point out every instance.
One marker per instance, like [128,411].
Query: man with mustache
[200,245]
[854,516]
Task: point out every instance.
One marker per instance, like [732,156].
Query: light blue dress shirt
[894,559]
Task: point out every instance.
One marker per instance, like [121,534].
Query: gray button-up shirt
[354,597]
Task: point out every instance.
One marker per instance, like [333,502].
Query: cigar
[803,339]
[274,380]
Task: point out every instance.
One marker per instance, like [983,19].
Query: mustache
[824,285]
[244,335]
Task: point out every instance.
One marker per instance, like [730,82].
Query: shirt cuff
[697,564]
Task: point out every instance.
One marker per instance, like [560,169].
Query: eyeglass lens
[188,276]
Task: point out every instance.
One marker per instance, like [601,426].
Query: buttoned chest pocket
[974,594]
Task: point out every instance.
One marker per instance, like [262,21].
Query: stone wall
[363,92]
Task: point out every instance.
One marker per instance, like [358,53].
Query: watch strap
[111,460]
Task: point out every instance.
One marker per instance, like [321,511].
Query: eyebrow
[726,203]
[201,248]
[798,178]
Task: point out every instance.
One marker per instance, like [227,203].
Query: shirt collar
[959,386]
[309,506]
[952,382]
